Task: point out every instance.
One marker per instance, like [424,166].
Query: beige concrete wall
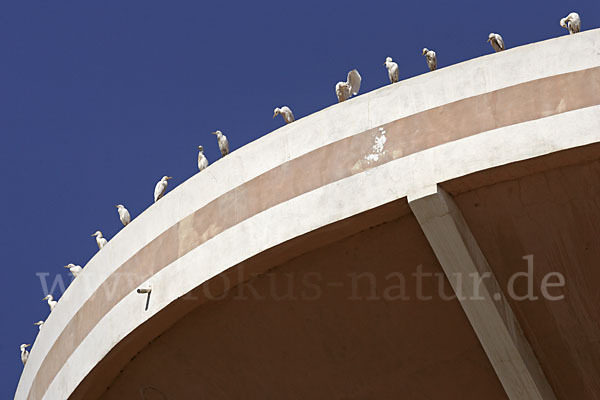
[439,126]
[554,216]
[315,328]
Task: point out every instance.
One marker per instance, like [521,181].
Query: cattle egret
[496,41]
[51,302]
[202,161]
[24,353]
[285,112]
[123,214]
[100,239]
[75,269]
[161,187]
[223,143]
[431,59]
[39,324]
[393,72]
[572,22]
[345,90]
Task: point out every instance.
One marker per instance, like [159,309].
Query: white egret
[24,353]
[202,161]
[100,240]
[345,90]
[431,58]
[161,187]
[51,302]
[223,143]
[123,214]
[75,269]
[496,41]
[285,112]
[393,71]
[39,324]
[572,22]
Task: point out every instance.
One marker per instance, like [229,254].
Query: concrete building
[320,260]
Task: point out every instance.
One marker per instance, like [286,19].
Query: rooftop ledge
[497,109]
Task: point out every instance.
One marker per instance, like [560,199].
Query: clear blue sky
[92,91]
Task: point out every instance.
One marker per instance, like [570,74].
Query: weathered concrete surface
[317,327]
[172,237]
[554,216]
[481,298]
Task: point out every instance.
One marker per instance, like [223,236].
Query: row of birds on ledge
[343,90]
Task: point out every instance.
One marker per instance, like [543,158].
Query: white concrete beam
[482,299]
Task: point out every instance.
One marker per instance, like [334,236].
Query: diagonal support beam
[482,299]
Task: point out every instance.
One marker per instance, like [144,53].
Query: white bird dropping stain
[378,147]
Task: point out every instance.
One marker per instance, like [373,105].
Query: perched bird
[223,143]
[51,302]
[123,214]
[496,41]
[393,72]
[572,22]
[161,187]
[345,90]
[100,239]
[202,161]
[75,269]
[431,59]
[24,353]
[286,113]
[39,324]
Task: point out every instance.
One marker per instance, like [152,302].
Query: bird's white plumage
[285,112]
[344,90]
[393,70]
[431,59]
[39,324]
[161,187]
[202,160]
[572,22]
[222,142]
[123,214]
[51,302]
[100,240]
[496,41]
[354,79]
[75,269]
[24,353]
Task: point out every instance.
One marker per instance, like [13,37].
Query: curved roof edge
[437,126]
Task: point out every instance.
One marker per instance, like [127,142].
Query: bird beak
[213,133]
[45,298]
[488,40]
[274,115]
[93,234]
[169,177]
[117,206]
[27,345]
[66,266]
